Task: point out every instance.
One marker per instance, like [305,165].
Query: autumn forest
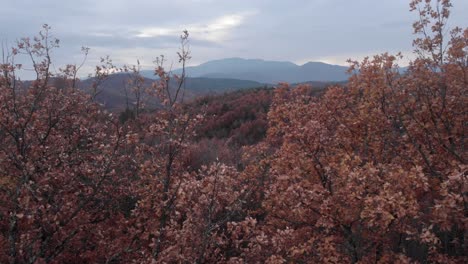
[372,170]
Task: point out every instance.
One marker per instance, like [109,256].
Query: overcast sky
[287,30]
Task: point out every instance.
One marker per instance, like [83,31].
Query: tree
[60,164]
[362,174]
[370,172]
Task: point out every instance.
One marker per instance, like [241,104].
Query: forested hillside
[369,171]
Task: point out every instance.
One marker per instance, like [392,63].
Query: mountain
[265,71]
[113,96]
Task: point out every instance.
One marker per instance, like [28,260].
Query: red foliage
[240,117]
[374,172]
[61,168]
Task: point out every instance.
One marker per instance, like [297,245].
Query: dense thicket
[374,172]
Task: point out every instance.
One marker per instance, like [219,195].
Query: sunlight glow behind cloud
[216,30]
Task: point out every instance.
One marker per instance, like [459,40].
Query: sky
[299,31]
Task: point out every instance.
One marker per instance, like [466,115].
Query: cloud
[341,59]
[294,30]
[216,30]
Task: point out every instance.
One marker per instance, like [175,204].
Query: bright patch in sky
[216,30]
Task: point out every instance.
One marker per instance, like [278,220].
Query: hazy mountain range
[219,76]
[263,71]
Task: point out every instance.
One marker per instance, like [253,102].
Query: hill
[113,95]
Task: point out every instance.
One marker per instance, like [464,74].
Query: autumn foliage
[370,172]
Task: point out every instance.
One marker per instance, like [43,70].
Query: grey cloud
[294,30]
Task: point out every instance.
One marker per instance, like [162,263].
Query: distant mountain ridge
[264,71]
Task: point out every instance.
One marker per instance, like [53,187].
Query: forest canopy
[371,171]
